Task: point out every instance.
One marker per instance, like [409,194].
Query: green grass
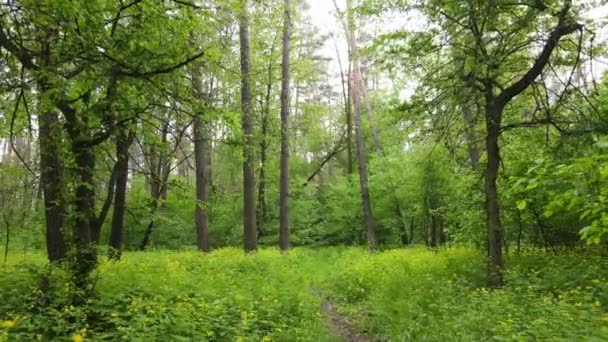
[397,295]
[417,295]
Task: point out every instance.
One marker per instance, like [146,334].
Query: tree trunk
[51,178]
[123,143]
[349,124]
[261,211]
[402,225]
[51,171]
[107,203]
[284,173]
[201,218]
[433,230]
[159,182]
[370,117]
[412,222]
[84,205]
[159,164]
[249,224]
[202,141]
[493,118]
[182,150]
[469,128]
[347,112]
[519,234]
[77,126]
[368,218]
[154,207]
[8,237]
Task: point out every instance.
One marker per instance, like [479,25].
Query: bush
[420,295]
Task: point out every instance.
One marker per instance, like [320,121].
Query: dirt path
[340,326]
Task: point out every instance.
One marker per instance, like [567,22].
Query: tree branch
[19,52]
[327,158]
[162,70]
[561,29]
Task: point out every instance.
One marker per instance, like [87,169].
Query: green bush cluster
[421,295]
[169,296]
[412,294]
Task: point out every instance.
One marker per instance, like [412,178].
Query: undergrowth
[397,295]
[420,295]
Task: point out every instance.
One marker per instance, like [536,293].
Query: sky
[323,15]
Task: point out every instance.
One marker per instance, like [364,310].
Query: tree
[285,97]
[356,94]
[201,156]
[249,224]
[490,46]
[84,72]
[495,104]
[123,142]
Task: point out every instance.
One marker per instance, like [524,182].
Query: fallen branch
[328,157]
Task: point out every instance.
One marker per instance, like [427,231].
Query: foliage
[163,295]
[426,296]
[569,192]
[401,294]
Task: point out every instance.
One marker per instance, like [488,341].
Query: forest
[303,170]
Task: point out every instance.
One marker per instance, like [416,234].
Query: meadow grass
[397,295]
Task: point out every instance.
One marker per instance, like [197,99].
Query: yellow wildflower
[77,338]
[7,324]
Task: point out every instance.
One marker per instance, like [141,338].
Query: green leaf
[521,205]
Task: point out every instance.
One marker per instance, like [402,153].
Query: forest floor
[340,325]
[326,294]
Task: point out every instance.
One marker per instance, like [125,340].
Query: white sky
[323,15]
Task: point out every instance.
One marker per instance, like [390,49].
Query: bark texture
[249,224]
[284,173]
[123,142]
[356,94]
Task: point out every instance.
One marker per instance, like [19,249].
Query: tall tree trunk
[370,117]
[349,124]
[84,205]
[105,209]
[51,178]
[249,224]
[412,223]
[155,204]
[284,173]
[123,142]
[368,217]
[51,171]
[431,219]
[261,211]
[493,116]
[182,151]
[494,106]
[202,141]
[159,164]
[347,112]
[202,184]
[402,225]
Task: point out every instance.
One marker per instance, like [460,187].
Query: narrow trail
[340,326]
